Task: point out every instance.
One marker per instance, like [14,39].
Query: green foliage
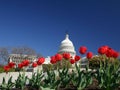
[94,63]
[51,80]
[7,86]
[48,67]
[18,69]
[65,77]
[21,81]
[108,76]
[1,70]
[12,70]
[36,80]
[106,73]
[82,78]
[63,64]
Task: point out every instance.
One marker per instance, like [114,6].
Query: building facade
[18,58]
[66,46]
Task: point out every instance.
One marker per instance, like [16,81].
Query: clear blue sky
[41,24]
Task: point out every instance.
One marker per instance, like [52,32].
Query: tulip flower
[53,60]
[6,68]
[77,58]
[58,57]
[41,60]
[11,64]
[82,50]
[34,64]
[115,54]
[25,63]
[89,55]
[66,56]
[72,61]
[110,52]
[20,65]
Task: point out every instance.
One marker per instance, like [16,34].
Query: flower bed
[63,76]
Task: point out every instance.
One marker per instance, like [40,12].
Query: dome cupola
[67,46]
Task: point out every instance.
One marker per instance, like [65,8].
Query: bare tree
[5,52]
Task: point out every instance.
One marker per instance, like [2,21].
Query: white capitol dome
[67,46]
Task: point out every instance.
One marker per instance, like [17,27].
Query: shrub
[1,70]
[94,63]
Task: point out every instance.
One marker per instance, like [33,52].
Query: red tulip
[103,49]
[115,54]
[72,61]
[66,55]
[6,68]
[34,64]
[110,52]
[77,58]
[11,64]
[20,65]
[58,57]
[118,53]
[82,50]
[25,63]
[53,60]
[89,55]
[41,60]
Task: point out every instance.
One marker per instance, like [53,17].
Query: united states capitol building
[66,46]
